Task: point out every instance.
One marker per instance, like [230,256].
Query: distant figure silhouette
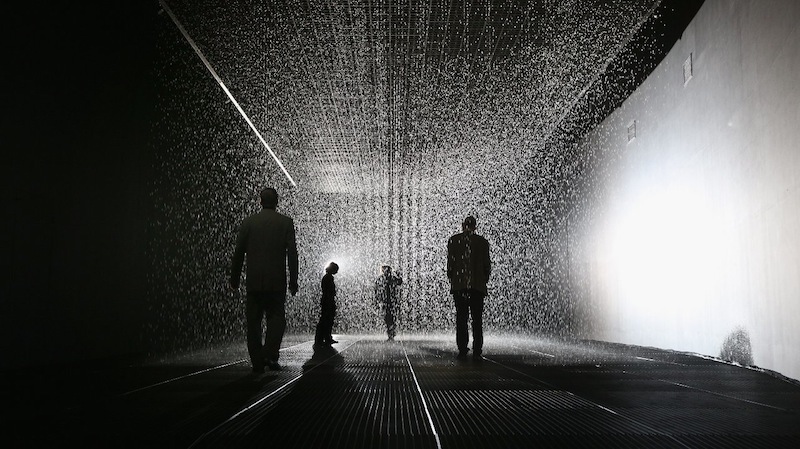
[468,268]
[327,307]
[268,240]
[386,296]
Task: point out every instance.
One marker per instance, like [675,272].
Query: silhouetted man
[386,295]
[324,335]
[268,240]
[468,268]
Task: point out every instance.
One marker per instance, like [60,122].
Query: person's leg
[254,312]
[330,324]
[390,325]
[328,311]
[462,315]
[276,324]
[476,309]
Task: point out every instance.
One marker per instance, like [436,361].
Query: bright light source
[667,254]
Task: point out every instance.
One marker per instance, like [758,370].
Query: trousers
[325,325]
[269,305]
[469,302]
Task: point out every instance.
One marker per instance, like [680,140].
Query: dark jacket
[468,264]
[328,289]
[268,240]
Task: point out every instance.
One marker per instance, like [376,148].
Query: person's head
[386,270]
[332,268]
[469,224]
[269,198]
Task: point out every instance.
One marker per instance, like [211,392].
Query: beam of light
[224,88]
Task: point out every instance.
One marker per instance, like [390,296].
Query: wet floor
[368,392]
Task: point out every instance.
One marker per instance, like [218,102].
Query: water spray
[224,88]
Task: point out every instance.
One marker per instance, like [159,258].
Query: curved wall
[688,236]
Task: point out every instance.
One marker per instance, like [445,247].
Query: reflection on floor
[366,393]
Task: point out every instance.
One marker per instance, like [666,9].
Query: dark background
[78,100]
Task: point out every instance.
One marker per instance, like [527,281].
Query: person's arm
[238,256]
[291,254]
[450,257]
[488,262]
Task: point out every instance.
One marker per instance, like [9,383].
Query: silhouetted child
[328,307]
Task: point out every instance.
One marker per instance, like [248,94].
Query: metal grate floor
[411,393]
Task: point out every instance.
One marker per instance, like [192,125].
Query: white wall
[692,230]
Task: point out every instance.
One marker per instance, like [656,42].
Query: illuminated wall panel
[689,235]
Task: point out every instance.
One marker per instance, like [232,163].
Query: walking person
[267,240]
[468,268]
[386,295]
[324,335]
